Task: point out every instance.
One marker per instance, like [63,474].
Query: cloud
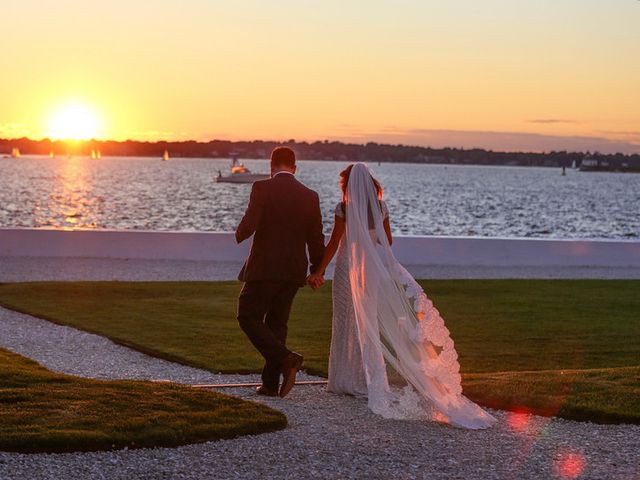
[623,135]
[622,132]
[552,121]
[494,140]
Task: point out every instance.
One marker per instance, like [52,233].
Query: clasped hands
[315,280]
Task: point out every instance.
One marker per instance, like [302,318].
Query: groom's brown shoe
[268,392]
[290,366]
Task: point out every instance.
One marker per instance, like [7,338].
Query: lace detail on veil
[430,331]
[431,334]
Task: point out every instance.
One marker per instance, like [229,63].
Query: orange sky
[508,74]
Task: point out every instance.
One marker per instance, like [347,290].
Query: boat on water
[15,152]
[595,164]
[240,174]
[165,156]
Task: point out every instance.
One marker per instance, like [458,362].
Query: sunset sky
[502,74]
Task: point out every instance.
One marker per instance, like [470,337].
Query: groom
[286,219]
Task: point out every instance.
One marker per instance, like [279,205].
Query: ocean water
[148,194]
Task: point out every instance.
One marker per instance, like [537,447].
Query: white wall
[211,246]
[516,252]
[120,244]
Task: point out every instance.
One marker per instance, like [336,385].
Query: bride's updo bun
[344,181]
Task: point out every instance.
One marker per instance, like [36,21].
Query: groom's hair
[283,157]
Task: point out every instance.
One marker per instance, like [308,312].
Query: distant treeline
[320,150]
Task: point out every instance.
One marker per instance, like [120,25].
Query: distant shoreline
[602,169]
[323,151]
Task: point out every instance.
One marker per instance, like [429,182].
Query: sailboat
[15,152]
[165,156]
[51,154]
[98,154]
[93,154]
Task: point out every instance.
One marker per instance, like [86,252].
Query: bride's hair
[344,181]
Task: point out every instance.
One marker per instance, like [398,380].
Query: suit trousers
[263,315]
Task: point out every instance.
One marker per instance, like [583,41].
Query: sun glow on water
[74,121]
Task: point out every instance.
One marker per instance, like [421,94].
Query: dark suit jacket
[286,219]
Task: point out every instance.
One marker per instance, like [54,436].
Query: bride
[388,340]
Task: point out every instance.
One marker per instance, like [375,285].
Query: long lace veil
[410,362]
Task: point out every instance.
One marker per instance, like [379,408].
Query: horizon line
[310,142]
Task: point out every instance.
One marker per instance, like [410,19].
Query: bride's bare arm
[332,246]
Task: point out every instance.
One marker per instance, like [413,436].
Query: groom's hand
[315,281]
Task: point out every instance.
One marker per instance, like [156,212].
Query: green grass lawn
[565,347]
[44,411]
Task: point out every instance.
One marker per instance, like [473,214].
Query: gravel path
[329,436]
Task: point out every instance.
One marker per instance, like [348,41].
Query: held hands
[315,280]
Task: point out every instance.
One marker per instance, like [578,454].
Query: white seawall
[221,247]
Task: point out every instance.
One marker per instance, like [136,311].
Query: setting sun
[74,121]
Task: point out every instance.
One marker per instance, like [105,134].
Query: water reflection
[74,191]
[146,193]
[71,201]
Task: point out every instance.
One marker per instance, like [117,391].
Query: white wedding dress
[346,371]
[389,343]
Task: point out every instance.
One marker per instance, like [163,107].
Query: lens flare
[519,420]
[569,465]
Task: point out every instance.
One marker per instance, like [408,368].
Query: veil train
[403,338]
